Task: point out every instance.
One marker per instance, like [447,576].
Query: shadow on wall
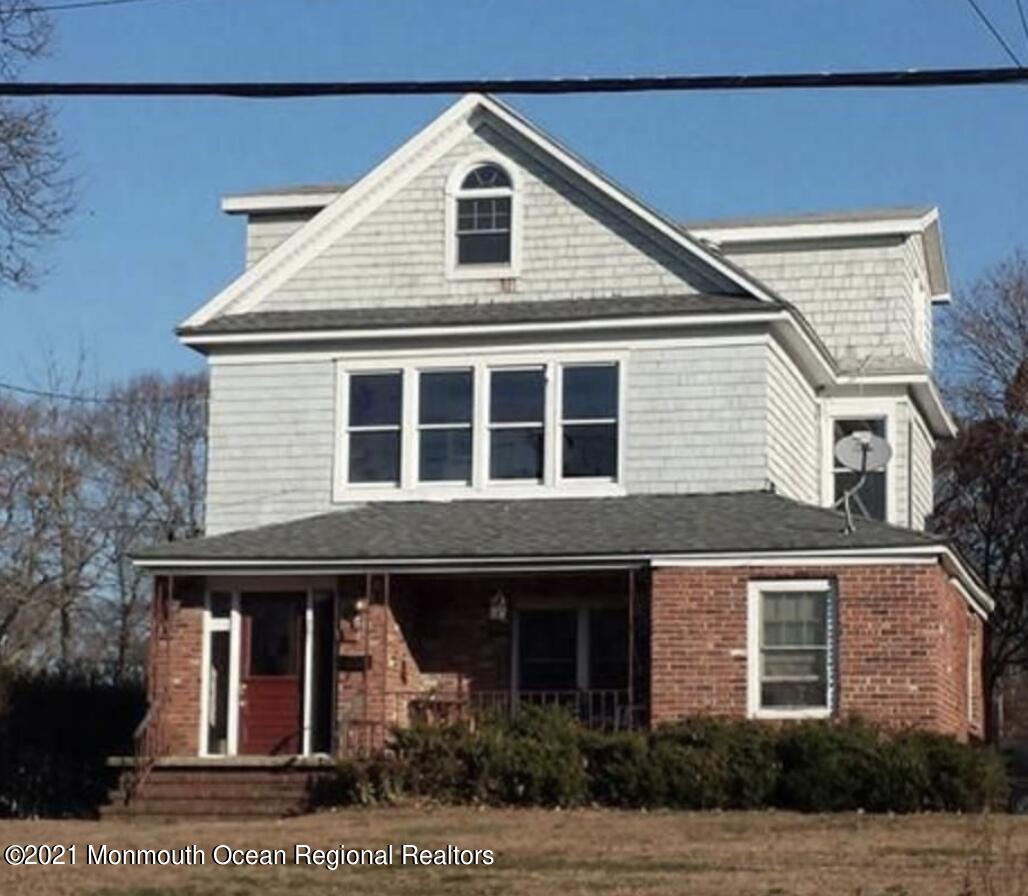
[56,732]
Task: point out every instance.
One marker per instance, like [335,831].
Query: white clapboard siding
[922,473]
[793,429]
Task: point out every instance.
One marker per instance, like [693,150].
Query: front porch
[310,666]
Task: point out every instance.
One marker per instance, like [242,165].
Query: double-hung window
[791,643]
[521,426]
[484,217]
[517,423]
[374,427]
[445,402]
[589,421]
[870,500]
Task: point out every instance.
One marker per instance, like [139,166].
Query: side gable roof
[350,207]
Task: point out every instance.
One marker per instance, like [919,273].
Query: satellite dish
[863,452]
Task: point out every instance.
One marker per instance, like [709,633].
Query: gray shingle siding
[858,295]
[695,418]
[699,417]
[271,443]
[573,247]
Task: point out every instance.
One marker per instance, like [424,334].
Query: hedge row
[56,732]
[543,758]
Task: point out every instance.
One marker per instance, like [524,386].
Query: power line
[1024,19]
[84,4]
[995,31]
[963,77]
[91,399]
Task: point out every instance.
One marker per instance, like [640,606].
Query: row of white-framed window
[435,425]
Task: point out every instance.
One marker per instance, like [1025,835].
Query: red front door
[271,674]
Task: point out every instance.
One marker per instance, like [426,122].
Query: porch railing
[148,742]
[367,730]
[601,710]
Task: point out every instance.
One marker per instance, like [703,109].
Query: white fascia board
[624,323]
[924,390]
[814,231]
[244,204]
[742,234]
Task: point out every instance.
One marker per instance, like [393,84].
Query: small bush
[826,767]
[619,770]
[543,758]
[742,768]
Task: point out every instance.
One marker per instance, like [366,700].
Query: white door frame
[233,625]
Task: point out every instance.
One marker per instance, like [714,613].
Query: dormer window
[484,217]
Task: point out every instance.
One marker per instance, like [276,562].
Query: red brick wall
[176,649]
[903,639]
[902,644]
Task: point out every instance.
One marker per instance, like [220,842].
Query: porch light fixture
[498,607]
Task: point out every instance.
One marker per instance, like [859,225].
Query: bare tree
[154,446]
[982,487]
[36,193]
[81,484]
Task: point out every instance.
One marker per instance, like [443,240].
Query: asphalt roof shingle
[500,312]
[547,528]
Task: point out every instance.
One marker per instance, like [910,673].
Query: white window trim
[481,486]
[455,271]
[342,446]
[755,589]
[618,423]
[232,625]
[543,423]
[857,408]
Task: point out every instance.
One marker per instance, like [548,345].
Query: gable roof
[348,208]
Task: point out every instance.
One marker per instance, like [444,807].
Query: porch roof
[635,526]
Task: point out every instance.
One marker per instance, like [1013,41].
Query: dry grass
[569,853]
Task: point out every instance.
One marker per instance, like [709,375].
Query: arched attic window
[485,217]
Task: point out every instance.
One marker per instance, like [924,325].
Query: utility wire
[91,399]
[1024,19]
[995,31]
[962,77]
[83,4]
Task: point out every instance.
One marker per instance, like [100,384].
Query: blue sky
[149,244]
